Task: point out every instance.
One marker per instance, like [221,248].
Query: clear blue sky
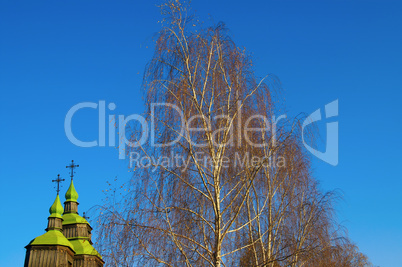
[55,54]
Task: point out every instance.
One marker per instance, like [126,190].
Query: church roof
[72,218]
[84,247]
[52,237]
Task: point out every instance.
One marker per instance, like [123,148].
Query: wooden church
[67,241]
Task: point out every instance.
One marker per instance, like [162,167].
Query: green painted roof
[71,194]
[52,237]
[83,247]
[56,210]
[71,218]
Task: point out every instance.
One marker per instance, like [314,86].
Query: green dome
[71,194]
[52,237]
[72,218]
[56,210]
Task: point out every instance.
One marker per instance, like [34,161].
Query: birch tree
[222,181]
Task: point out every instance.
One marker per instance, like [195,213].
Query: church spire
[71,203]
[76,228]
[56,210]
